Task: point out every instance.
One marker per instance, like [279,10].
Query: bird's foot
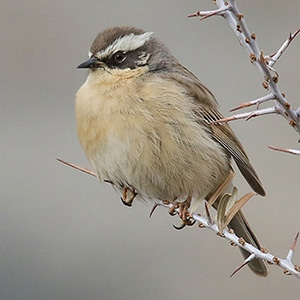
[182,212]
[128,196]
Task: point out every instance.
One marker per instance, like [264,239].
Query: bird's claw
[182,208]
[188,222]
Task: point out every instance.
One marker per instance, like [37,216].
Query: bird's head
[127,50]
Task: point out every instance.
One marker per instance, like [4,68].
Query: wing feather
[206,110]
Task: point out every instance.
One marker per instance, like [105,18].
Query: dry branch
[236,21]
[207,222]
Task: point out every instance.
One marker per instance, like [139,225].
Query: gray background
[63,235]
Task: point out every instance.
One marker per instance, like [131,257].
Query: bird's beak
[91,63]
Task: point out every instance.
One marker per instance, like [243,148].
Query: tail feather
[242,229]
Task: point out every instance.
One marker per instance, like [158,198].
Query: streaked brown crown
[139,47]
[109,35]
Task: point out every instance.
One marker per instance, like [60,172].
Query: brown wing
[225,136]
[206,109]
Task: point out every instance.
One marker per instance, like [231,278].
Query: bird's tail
[242,229]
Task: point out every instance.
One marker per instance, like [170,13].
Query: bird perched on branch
[149,126]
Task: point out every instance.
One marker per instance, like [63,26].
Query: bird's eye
[120,56]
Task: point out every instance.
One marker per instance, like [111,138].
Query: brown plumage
[145,122]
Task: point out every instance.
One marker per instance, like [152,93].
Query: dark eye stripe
[126,60]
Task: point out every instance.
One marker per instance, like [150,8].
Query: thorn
[243,105]
[153,209]
[196,14]
[248,115]
[275,56]
[291,151]
[256,102]
[77,168]
[295,242]
[206,14]
[251,115]
[294,34]
[291,252]
[247,260]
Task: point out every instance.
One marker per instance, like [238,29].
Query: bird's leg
[128,196]
[175,205]
[183,208]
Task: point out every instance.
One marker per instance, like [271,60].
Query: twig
[293,247]
[286,264]
[291,151]
[250,115]
[207,14]
[236,21]
[256,102]
[273,58]
[77,168]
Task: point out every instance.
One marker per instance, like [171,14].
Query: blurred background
[63,234]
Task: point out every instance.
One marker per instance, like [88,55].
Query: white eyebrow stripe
[125,43]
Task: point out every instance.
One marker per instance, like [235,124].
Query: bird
[150,128]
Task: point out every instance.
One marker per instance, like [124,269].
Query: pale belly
[157,163]
[149,145]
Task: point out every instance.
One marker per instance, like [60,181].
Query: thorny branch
[286,264]
[207,222]
[236,21]
[229,10]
